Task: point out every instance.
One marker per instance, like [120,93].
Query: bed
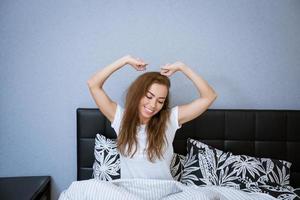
[259,133]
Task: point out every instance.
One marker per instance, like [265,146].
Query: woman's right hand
[136,63]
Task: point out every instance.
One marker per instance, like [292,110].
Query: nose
[153,104]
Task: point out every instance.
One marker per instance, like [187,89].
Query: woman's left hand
[170,69]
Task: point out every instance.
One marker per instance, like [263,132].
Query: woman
[146,126]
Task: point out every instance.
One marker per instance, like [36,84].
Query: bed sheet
[152,189]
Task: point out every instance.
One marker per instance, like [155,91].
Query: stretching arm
[95,84]
[207,95]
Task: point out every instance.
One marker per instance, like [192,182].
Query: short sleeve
[117,119]
[174,118]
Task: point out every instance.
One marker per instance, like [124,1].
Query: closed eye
[150,97]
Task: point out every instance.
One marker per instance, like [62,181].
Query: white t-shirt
[139,166]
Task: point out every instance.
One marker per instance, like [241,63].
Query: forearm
[204,89]
[98,79]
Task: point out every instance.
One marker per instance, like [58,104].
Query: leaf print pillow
[176,166]
[197,169]
[107,159]
[205,165]
[277,171]
[243,169]
[250,174]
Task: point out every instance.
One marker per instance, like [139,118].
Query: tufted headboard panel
[260,133]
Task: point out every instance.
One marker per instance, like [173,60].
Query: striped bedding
[152,189]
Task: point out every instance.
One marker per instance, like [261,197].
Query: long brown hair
[156,127]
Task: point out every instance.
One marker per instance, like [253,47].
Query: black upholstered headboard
[260,133]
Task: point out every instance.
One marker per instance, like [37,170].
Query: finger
[164,72]
[141,62]
[164,67]
[168,74]
[141,67]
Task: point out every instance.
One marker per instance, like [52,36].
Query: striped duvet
[152,189]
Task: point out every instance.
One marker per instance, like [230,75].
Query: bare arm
[95,84]
[207,95]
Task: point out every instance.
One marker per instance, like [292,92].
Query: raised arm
[95,84]
[207,95]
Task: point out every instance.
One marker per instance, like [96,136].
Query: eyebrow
[154,95]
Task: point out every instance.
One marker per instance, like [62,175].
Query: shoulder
[120,108]
[119,111]
[118,116]
[174,117]
[173,110]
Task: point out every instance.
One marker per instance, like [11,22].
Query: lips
[148,111]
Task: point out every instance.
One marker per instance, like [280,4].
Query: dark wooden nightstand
[27,188]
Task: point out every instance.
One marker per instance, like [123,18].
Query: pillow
[206,165]
[197,169]
[176,166]
[107,159]
[248,169]
[278,171]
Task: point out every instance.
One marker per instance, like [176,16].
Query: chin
[145,115]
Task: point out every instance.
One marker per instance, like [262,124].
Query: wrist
[183,67]
[124,60]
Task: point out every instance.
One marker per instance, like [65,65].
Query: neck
[143,121]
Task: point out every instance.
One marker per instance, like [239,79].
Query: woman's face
[152,102]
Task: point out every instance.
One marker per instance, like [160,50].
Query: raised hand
[170,69]
[136,63]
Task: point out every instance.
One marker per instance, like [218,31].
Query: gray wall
[247,50]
